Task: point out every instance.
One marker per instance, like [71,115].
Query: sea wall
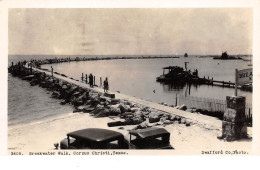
[98,104]
[38,63]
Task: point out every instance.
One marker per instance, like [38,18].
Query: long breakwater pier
[155,112]
[56,60]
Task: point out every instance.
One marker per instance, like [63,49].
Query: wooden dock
[212,82]
[216,82]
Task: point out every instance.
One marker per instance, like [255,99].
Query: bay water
[135,77]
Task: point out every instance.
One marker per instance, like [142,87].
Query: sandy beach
[198,138]
[40,136]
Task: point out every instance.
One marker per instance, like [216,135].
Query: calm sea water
[30,103]
[136,77]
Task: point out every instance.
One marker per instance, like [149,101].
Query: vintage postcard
[130,80]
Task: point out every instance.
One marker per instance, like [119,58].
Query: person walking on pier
[106,86]
[91,80]
[51,71]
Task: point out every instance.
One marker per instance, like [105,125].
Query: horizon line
[123,54]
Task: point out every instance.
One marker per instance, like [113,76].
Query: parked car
[93,138]
[149,138]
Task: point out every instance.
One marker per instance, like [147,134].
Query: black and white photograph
[127,81]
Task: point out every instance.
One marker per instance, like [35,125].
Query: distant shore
[69,58]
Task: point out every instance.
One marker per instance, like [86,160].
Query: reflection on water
[137,77]
[188,89]
[132,77]
[173,86]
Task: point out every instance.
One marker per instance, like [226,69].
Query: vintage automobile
[94,138]
[149,138]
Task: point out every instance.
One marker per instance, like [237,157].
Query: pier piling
[82,77]
[20,68]
[176,100]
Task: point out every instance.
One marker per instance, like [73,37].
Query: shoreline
[185,140]
[33,109]
[171,118]
[191,140]
[145,103]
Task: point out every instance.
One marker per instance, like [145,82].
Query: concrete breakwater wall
[38,63]
[88,100]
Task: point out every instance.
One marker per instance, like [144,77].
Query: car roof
[96,135]
[149,132]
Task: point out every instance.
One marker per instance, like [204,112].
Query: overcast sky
[130,31]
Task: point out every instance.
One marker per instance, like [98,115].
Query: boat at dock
[177,74]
